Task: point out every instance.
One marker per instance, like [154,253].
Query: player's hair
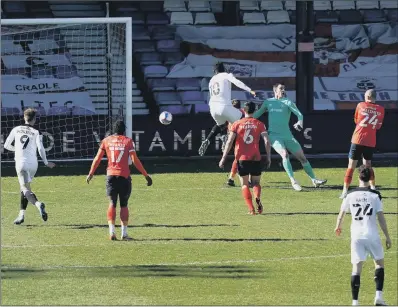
[219,67]
[236,103]
[29,114]
[249,107]
[370,94]
[119,127]
[364,173]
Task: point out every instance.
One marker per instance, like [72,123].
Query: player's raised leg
[217,128]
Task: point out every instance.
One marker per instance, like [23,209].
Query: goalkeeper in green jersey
[279,109]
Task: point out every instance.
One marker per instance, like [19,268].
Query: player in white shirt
[27,140]
[365,204]
[220,103]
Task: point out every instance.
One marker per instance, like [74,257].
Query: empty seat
[372,16]
[278,17]
[151,6]
[367,5]
[253,18]
[65,72]
[326,17]
[167,98]
[216,6]
[176,110]
[140,34]
[172,58]
[343,5]
[388,4]
[14,6]
[125,6]
[290,5]
[205,19]
[271,5]
[162,85]
[181,18]
[9,111]
[199,6]
[392,15]
[350,17]
[39,72]
[151,58]
[159,33]
[202,108]
[137,18]
[322,5]
[248,5]
[188,85]
[168,45]
[157,19]
[144,46]
[174,6]
[204,85]
[192,97]
[155,71]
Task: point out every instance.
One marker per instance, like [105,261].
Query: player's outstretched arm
[42,151]
[267,148]
[95,164]
[262,110]
[383,226]
[138,165]
[293,107]
[228,146]
[8,143]
[240,84]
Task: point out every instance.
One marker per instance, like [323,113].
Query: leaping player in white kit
[27,140]
[221,108]
[364,204]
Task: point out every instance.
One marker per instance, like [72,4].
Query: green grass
[194,244]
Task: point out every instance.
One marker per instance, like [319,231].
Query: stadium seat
[181,18]
[190,84]
[10,111]
[392,15]
[216,6]
[140,33]
[367,5]
[174,6]
[388,4]
[39,72]
[65,72]
[271,5]
[159,33]
[137,18]
[162,85]
[326,17]
[290,5]
[199,6]
[168,45]
[248,5]
[172,58]
[144,46]
[322,5]
[14,7]
[150,58]
[192,97]
[253,18]
[350,17]
[167,98]
[277,17]
[125,6]
[343,5]
[373,16]
[151,6]
[155,71]
[177,110]
[202,108]
[205,19]
[204,85]
[157,19]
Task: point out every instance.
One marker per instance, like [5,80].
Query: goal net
[76,73]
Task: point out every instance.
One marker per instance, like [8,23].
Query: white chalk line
[197,263]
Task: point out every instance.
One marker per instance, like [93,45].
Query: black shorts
[118,187]
[247,167]
[359,151]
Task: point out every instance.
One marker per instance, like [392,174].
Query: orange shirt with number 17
[368,118]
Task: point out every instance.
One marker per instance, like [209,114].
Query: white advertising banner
[25,61]
[367,69]
[80,100]
[331,84]
[45,85]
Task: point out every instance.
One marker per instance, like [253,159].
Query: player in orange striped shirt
[368,119]
[118,149]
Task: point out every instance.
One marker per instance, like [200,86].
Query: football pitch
[194,243]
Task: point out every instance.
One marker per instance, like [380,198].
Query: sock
[22,212]
[247,195]
[288,167]
[31,197]
[308,169]
[24,202]
[355,284]
[257,191]
[355,303]
[379,279]
[214,131]
[124,230]
[234,169]
[111,216]
[348,176]
[124,218]
[111,228]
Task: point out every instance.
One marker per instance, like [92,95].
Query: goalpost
[76,72]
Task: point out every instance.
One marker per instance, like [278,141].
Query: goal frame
[96,20]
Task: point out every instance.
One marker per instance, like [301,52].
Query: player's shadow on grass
[227,239]
[89,226]
[19,273]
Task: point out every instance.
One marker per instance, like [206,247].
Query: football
[165,118]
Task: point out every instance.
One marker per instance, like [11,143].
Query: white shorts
[361,248]
[222,113]
[26,172]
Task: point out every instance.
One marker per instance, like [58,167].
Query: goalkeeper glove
[299,125]
[148,181]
